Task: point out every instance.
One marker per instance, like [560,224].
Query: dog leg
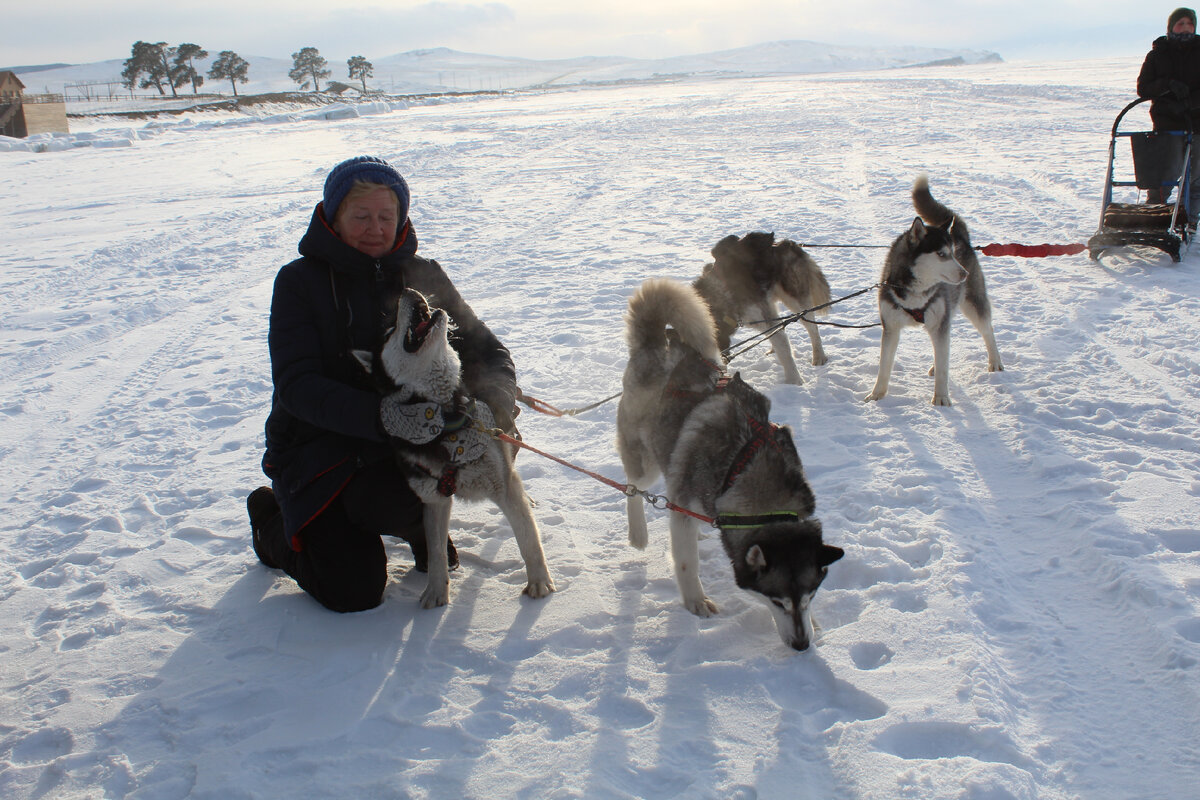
[783,351]
[635,510]
[887,356]
[941,363]
[636,514]
[516,507]
[814,336]
[437,532]
[981,318]
[685,549]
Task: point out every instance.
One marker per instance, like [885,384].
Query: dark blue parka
[324,421]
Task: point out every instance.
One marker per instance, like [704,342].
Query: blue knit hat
[366,168]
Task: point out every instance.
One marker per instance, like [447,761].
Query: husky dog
[721,457]
[930,270]
[746,281]
[416,357]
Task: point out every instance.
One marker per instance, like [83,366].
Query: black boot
[420,551]
[263,509]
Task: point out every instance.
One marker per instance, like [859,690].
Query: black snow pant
[342,562]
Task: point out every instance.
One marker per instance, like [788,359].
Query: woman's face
[368,222]
[1183,25]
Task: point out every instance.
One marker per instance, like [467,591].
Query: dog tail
[936,214]
[930,210]
[802,284]
[661,302]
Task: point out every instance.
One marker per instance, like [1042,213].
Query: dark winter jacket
[324,420]
[1170,76]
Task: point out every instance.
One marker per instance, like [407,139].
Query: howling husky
[416,357]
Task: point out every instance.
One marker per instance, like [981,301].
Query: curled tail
[801,281]
[930,210]
[659,303]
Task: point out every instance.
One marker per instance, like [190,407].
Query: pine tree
[361,69]
[149,60]
[306,64]
[230,66]
[185,66]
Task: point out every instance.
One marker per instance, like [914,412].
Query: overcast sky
[77,32]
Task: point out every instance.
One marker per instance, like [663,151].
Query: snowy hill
[442,69]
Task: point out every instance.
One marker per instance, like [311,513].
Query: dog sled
[1160,163]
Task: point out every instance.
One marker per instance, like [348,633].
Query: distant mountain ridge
[441,69]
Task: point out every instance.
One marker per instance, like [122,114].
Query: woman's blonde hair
[361,188]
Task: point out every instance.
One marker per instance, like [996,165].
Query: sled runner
[1159,164]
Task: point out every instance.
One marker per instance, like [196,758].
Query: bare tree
[306,64]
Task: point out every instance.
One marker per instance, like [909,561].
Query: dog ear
[917,231]
[756,559]
[723,246]
[365,359]
[830,554]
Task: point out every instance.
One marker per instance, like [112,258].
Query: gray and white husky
[930,270]
[721,457]
[747,280]
[416,357]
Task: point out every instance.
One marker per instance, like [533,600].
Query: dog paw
[875,395]
[996,367]
[434,597]
[702,607]
[538,589]
[941,400]
[638,537]
[794,380]
[820,361]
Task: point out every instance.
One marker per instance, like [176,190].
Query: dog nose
[800,644]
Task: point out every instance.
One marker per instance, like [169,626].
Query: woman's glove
[417,423]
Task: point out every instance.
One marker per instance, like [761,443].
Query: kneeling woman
[335,486]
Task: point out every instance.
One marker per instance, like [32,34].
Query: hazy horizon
[71,32]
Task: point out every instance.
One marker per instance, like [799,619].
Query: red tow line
[1031,250]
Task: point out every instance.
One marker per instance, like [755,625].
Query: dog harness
[917,314]
[764,434]
[462,446]
[686,384]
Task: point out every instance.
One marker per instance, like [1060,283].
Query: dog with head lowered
[931,269]
[445,456]
[749,277]
[710,437]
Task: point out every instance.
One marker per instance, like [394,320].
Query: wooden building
[24,114]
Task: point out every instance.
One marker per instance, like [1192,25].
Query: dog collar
[746,521]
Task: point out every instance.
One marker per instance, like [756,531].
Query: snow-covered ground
[1018,611]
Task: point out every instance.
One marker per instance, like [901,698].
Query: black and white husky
[416,357]
[749,277]
[930,270]
[721,457]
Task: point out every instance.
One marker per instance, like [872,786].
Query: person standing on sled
[335,486]
[1170,77]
